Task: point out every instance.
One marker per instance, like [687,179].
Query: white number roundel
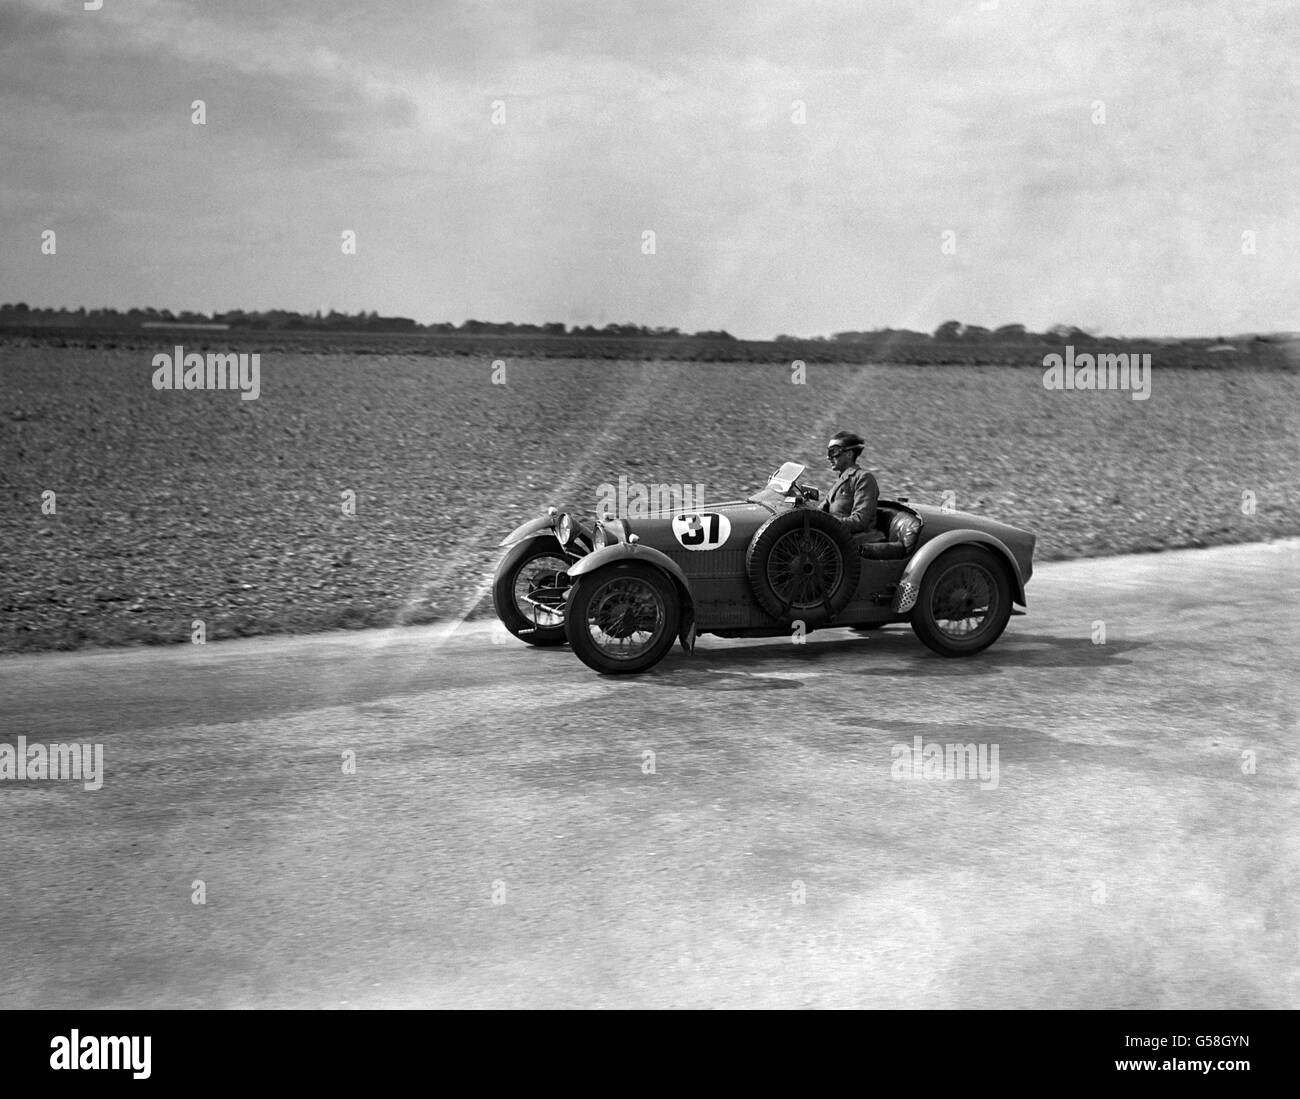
[706,530]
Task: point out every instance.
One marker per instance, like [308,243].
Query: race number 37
[702,531]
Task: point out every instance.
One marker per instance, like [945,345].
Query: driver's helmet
[846,440]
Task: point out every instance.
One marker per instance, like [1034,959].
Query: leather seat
[901,528]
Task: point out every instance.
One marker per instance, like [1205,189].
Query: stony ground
[172,507]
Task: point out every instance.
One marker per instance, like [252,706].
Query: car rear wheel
[623,618]
[529,590]
[964,602]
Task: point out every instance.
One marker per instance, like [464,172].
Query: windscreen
[784,477]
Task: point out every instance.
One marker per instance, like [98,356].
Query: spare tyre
[803,566]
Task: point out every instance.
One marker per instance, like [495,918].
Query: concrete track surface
[506,841]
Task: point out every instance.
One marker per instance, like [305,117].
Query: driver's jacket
[852,498]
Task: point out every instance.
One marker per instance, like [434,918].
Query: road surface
[431,817]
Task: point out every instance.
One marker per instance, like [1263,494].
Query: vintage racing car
[620,591]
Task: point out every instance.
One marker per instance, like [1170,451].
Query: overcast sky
[921,118]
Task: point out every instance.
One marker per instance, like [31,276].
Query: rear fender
[909,584]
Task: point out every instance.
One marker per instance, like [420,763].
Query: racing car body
[620,591]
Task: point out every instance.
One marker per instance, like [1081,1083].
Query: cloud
[678,118]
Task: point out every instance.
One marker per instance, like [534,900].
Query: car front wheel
[964,602]
[529,590]
[623,618]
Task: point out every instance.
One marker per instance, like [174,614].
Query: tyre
[529,590]
[964,602]
[623,618]
[802,565]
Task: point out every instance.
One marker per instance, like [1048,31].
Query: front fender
[909,584]
[531,529]
[631,551]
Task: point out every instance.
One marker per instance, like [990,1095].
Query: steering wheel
[806,493]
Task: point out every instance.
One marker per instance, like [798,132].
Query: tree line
[949,332]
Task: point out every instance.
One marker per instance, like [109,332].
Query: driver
[852,498]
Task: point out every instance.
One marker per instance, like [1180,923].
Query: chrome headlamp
[563,528]
[599,536]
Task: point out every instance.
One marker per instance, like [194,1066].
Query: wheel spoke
[963,601]
[624,617]
[540,587]
[803,568]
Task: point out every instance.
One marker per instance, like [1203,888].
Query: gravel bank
[172,507]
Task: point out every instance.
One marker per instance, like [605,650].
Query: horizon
[802,169]
[699,334]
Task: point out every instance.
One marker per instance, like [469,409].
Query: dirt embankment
[171,508]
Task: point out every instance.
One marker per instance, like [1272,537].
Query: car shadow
[783,665]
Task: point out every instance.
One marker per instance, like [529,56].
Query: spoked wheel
[802,565]
[529,590]
[964,602]
[622,619]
